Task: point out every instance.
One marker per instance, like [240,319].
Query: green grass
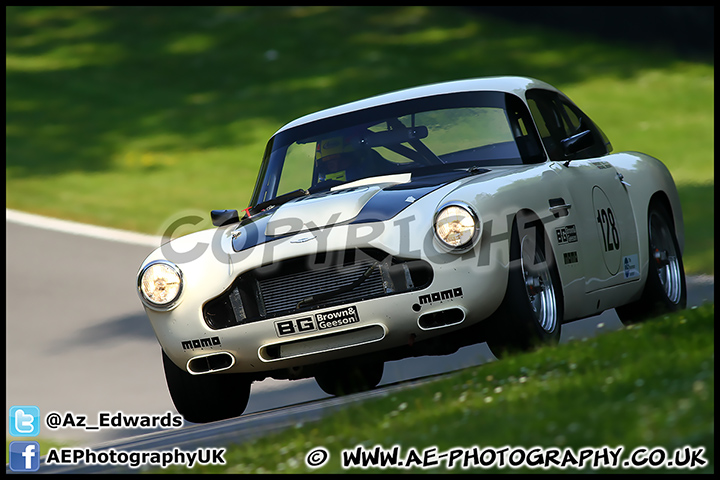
[651,385]
[698,201]
[125,116]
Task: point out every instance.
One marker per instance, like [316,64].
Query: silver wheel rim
[663,257]
[538,284]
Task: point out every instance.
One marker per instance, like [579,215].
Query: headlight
[457,226]
[160,284]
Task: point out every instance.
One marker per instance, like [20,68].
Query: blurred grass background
[124,116]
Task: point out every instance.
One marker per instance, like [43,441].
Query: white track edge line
[76,228]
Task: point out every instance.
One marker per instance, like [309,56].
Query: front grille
[286,293]
[314,281]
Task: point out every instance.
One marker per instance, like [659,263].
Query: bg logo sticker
[298,325]
[567,234]
[320,321]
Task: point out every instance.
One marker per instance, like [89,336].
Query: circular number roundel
[607,229]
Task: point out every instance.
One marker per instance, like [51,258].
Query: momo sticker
[445,295]
[201,343]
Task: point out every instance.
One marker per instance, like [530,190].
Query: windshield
[420,136]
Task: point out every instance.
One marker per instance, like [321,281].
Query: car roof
[514,85]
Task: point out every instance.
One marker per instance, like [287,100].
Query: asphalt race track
[78,339]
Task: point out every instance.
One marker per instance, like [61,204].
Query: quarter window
[557,118]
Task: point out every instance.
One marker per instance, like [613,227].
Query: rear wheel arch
[662,199]
[664,287]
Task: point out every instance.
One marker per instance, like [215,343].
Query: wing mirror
[577,142]
[224,217]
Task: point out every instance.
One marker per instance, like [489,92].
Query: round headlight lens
[160,285]
[456,226]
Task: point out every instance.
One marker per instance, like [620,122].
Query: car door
[606,235]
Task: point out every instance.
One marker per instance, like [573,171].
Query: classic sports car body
[413,223]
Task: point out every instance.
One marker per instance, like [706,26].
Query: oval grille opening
[214,362]
[323,343]
[443,318]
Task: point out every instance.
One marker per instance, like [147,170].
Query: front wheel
[665,289]
[532,310]
[209,397]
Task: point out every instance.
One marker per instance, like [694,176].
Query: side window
[549,122]
[525,135]
[557,119]
[579,121]
[572,118]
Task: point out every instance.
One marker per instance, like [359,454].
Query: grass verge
[650,385]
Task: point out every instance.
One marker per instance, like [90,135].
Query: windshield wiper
[276,202]
[475,170]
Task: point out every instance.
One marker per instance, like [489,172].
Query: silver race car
[413,223]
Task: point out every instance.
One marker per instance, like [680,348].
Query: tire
[665,289]
[206,398]
[531,312]
[345,379]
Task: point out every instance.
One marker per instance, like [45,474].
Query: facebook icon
[24,456]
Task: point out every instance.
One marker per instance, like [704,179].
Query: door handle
[558,207]
[620,177]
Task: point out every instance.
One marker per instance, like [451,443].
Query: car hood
[321,209]
[371,200]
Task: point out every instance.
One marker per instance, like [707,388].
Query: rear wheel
[346,378]
[665,289]
[532,310]
[206,398]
